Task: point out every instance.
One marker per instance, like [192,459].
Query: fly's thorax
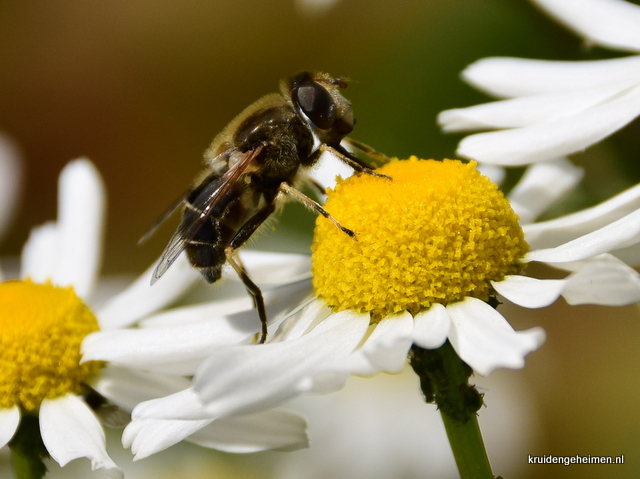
[226,140]
[270,124]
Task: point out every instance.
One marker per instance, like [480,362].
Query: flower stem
[444,379]
[27,450]
[468,448]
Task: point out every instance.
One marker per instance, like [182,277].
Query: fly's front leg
[367,150]
[286,188]
[243,234]
[252,289]
[353,161]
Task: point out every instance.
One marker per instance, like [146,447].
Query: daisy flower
[433,246]
[45,388]
[44,320]
[551,109]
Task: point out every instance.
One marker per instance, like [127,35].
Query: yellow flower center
[437,232]
[41,328]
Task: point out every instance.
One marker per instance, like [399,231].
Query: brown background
[142,87]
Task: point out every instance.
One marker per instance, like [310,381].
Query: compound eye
[316,102]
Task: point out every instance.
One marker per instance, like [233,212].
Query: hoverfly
[252,165]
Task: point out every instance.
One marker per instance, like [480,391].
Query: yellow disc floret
[436,232]
[41,329]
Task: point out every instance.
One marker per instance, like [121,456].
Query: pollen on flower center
[41,329]
[437,232]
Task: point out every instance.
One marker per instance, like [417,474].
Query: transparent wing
[164,216]
[187,230]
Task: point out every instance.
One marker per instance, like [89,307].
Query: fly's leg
[252,289]
[312,205]
[343,155]
[367,150]
[243,234]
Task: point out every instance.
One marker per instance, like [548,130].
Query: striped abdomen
[205,246]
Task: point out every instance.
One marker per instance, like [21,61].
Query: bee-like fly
[253,164]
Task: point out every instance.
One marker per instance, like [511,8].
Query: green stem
[444,379]
[27,450]
[468,448]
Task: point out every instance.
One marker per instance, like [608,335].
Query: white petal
[10,181]
[183,404]
[195,313]
[70,430]
[9,421]
[302,320]
[81,215]
[128,387]
[249,378]
[485,340]
[529,110]
[387,347]
[530,292]
[330,379]
[561,230]
[38,258]
[608,23]
[179,347]
[573,266]
[141,299]
[250,433]
[605,281]
[175,349]
[541,186]
[431,327]
[553,139]
[148,436]
[513,77]
[334,374]
[254,432]
[619,234]
[239,311]
[276,268]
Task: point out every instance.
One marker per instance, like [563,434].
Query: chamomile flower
[433,246]
[554,108]
[45,317]
[43,320]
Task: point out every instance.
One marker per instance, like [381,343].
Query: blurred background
[141,88]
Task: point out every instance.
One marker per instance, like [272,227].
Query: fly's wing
[187,230]
[164,216]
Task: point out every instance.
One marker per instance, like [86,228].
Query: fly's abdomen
[203,248]
[207,260]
